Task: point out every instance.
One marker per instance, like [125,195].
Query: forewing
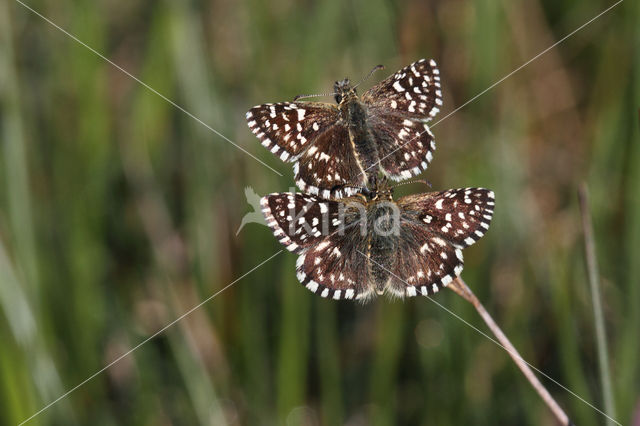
[288,128]
[459,216]
[300,220]
[414,91]
[327,236]
[329,167]
[405,146]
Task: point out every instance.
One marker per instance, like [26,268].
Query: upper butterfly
[337,149]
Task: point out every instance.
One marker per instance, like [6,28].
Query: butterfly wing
[329,168]
[327,236]
[459,216]
[311,134]
[336,268]
[405,147]
[414,92]
[288,128]
[299,220]
[423,263]
[398,108]
[435,227]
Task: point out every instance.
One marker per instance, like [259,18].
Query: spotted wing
[405,146]
[300,220]
[329,168]
[327,236]
[288,128]
[414,92]
[435,227]
[424,262]
[336,268]
[398,109]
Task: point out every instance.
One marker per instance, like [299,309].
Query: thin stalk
[461,288]
[594,282]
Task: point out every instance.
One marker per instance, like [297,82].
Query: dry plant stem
[594,282]
[461,288]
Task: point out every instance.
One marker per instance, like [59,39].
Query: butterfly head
[343,90]
[380,191]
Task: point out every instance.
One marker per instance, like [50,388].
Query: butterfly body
[337,149]
[383,243]
[376,217]
[353,115]
[358,247]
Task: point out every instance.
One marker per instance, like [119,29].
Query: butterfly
[367,245]
[338,149]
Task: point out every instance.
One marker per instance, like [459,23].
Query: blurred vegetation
[118,212]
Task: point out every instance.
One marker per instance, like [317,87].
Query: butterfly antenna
[312,96]
[376,68]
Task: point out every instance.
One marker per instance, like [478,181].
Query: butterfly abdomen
[383,226]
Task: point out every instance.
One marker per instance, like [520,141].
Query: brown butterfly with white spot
[337,149]
[369,244]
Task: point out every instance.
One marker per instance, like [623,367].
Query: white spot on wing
[322,245]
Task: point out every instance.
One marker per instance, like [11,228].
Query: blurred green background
[119,212]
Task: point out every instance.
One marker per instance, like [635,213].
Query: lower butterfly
[369,244]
